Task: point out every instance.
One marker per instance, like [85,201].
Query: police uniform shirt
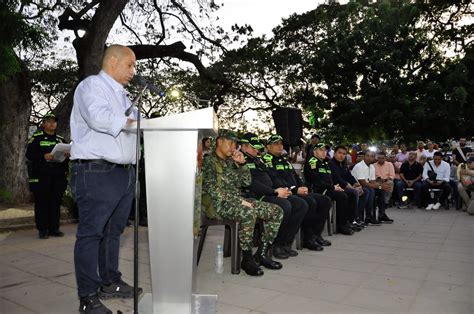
[40,144]
[318,173]
[282,172]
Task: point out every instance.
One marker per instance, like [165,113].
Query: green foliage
[379,71]
[16,33]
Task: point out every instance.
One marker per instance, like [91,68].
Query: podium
[171,145]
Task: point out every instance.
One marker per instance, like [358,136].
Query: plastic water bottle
[219,264]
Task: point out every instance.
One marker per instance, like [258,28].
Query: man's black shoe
[267,262]
[92,305]
[361,222]
[354,227]
[280,252]
[250,266]
[56,233]
[321,241]
[385,219]
[290,251]
[312,246]
[43,234]
[119,289]
[372,222]
[345,230]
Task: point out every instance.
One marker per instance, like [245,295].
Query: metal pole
[137,204]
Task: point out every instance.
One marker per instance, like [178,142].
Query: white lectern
[171,145]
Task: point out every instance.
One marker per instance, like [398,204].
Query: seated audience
[224,174]
[460,152]
[436,174]
[364,172]
[466,184]
[410,177]
[430,151]
[384,173]
[403,154]
[342,175]
[317,174]
[420,151]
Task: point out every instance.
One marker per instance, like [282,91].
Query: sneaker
[91,305]
[372,222]
[119,289]
[437,206]
[56,233]
[385,219]
[429,207]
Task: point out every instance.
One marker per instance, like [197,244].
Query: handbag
[431,173]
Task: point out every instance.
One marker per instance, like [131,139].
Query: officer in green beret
[225,174]
[47,178]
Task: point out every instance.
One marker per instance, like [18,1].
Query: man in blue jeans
[103,178]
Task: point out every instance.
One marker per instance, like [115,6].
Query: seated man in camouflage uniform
[224,174]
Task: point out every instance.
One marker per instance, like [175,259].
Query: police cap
[274,138]
[252,139]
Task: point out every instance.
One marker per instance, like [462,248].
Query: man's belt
[101,162]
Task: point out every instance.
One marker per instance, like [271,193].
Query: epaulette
[313,161]
[38,133]
[61,137]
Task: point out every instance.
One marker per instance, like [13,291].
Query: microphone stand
[136,103]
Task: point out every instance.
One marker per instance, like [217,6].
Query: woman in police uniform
[47,177]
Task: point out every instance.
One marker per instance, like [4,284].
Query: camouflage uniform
[224,185]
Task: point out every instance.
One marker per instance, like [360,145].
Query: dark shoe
[321,241]
[250,266]
[290,252]
[345,230]
[372,222]
[312,246]
[56,233]
[43,234]
[354,227]
[280,252]
[385,219]
[92,305]
[119,289]
[267,262]
[361,223]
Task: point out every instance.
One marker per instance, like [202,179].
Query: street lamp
[177,94]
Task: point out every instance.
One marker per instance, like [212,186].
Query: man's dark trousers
[104,196]
[294,211]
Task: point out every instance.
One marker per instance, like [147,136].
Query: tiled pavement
[424,263]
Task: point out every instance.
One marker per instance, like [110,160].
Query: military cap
[320,146]
[252,139]
[274,138]
[228,135]
[50,115]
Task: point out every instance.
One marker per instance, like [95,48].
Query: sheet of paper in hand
[59,150]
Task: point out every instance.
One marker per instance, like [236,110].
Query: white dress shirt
[443,171]
[97,119]
[363,172]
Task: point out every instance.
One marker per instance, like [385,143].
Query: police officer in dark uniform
[318,175]
[263,188]
[318,205]
[47,177]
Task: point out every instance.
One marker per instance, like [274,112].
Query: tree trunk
[15,108]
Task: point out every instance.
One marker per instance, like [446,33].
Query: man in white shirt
[103,178]
[436,174]
[364,172]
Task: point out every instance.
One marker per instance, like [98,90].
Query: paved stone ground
[424,263]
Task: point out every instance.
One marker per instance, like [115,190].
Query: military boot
[249,265]
[262,258]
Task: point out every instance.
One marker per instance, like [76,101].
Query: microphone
[140,80]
